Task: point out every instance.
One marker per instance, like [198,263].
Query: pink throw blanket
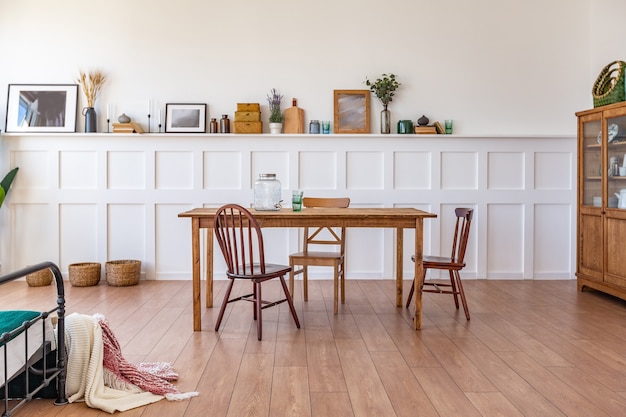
[152,377]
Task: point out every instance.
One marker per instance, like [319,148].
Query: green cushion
[12,319]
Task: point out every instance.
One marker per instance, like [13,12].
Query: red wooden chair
[454,263]
[241,241]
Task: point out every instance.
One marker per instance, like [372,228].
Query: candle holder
[159,127]
[148,122]
[108,124]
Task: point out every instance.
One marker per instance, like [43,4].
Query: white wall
[607,35]
[516,68]
[501,67]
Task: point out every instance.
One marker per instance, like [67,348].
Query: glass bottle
[224,124]
[267,193]
[213,126]
[314,127]
[385,121]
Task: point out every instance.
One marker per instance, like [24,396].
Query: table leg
[209,267]
[419,272]
[399,264]
[195,272]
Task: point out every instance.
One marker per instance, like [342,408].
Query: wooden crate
[248,107]
[248,127]
[247,116]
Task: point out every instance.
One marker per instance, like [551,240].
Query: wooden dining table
[397,218]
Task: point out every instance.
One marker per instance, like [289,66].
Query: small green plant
[274,99]
[384,88]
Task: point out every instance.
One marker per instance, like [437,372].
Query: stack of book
[130,127]
[425,129]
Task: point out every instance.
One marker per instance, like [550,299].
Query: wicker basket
[123,273]
[85,274]
[609,87]
[40,278]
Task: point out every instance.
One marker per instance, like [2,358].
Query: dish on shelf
[613,130]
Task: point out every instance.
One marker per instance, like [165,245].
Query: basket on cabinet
[609,87]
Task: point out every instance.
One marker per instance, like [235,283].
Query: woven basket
[609,87]
[123,273]
[85,274]
[40,278]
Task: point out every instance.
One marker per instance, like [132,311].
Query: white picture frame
[42,108]
[185,118]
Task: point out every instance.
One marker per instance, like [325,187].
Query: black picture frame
[45,108]
[185,118]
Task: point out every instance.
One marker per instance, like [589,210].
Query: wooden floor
[532,348]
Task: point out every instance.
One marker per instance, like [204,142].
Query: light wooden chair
[240,238]
[327,236]
[453,263]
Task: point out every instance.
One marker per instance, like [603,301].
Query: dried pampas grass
[91,84]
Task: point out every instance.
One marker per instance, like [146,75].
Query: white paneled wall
[81,198]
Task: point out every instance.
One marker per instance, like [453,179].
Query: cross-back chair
[333,238]
[241,241]
[454,263]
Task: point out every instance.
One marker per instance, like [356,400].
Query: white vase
[276,128]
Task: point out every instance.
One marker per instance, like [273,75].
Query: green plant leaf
[5,184]
[384,88]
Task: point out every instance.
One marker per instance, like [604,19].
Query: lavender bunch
[274,99]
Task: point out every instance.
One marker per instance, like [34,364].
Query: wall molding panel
[97,197]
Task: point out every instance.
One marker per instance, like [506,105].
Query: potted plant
[276,115]
[384,88]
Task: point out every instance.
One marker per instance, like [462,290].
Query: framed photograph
[185,118]
[42,108]
[352,111]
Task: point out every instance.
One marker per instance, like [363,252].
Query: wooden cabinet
[601,234]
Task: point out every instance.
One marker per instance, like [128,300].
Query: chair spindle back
[240,239]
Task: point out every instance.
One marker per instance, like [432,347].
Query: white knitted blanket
[85,375]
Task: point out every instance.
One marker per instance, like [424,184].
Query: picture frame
[352,111]
[45,108]
[185,118]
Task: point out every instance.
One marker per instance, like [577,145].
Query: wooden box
[247,116]
[248,107]
[247,127]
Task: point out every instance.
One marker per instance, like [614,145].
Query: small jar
[213,126]
[224,124]
[314,127]
[267,193]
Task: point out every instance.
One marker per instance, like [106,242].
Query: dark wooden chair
[454,263]
[240,238]
[325,236]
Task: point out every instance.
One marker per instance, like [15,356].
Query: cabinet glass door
[592,163]
[616,160]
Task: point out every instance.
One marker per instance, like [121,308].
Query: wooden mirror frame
[352,111]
